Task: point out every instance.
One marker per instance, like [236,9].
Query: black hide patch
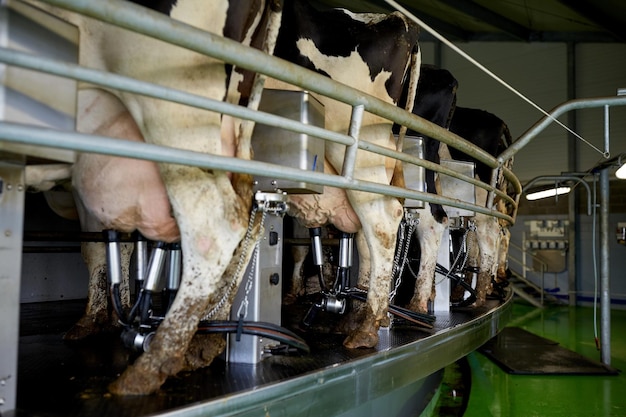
[483,129]
[161,6]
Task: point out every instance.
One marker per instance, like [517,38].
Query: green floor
[496,393]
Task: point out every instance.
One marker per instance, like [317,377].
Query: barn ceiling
[510,20]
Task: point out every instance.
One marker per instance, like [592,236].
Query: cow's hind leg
[99,316]
[380,217]
[204,347]
[429,232]
[488,235]
[208,244]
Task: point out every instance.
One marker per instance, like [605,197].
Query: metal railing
[523,264]
[138,19]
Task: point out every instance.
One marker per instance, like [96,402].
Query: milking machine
[141,322]
[335,299]
[463,275]
[256,313]
[460,276]
[452,270]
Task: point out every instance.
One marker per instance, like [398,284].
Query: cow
[372,53]
[491,134]
[490,238]
[436,102]
[210,207]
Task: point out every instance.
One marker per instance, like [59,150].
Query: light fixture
[562,184]
[550,192]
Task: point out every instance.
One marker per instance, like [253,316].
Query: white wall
[539,71]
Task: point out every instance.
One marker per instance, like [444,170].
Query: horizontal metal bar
[159,26]
[122,83]
[73,236]
[18,133]
[381,150]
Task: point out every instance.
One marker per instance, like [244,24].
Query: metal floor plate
[58,378]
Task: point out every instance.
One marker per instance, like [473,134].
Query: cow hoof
[421,308]
[348,324]
[479,303]
[361,339]
[87,328]
[138,379]
[128,386]
[202,349]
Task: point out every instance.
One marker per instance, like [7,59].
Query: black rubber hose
[133,310]
[424,320]
[464,303]
[116,300]
[256,328]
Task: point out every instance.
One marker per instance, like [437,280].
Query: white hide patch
[352,70]
[202,14]
[368,18]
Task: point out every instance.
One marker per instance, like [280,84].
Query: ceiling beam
[514,29]
[597,16]
[450,31]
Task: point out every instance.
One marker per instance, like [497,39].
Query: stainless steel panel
[414,176]
[291,149]
[264,296]
[454,188]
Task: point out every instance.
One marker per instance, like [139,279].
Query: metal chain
[458,255]
[243,307]
[404,242]
[233,282]
[471,227]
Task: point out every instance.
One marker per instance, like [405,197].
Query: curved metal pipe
[561,178]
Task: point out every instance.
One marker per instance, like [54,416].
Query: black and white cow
[436,102]
[490,240]
[491,134]
[372,53]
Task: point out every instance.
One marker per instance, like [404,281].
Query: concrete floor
[496,393]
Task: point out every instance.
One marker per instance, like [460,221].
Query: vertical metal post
[605,295]
[11,224]
[349,159]
[574,197]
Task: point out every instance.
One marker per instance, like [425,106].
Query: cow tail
[415,64]
[243,182]
[507,140]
